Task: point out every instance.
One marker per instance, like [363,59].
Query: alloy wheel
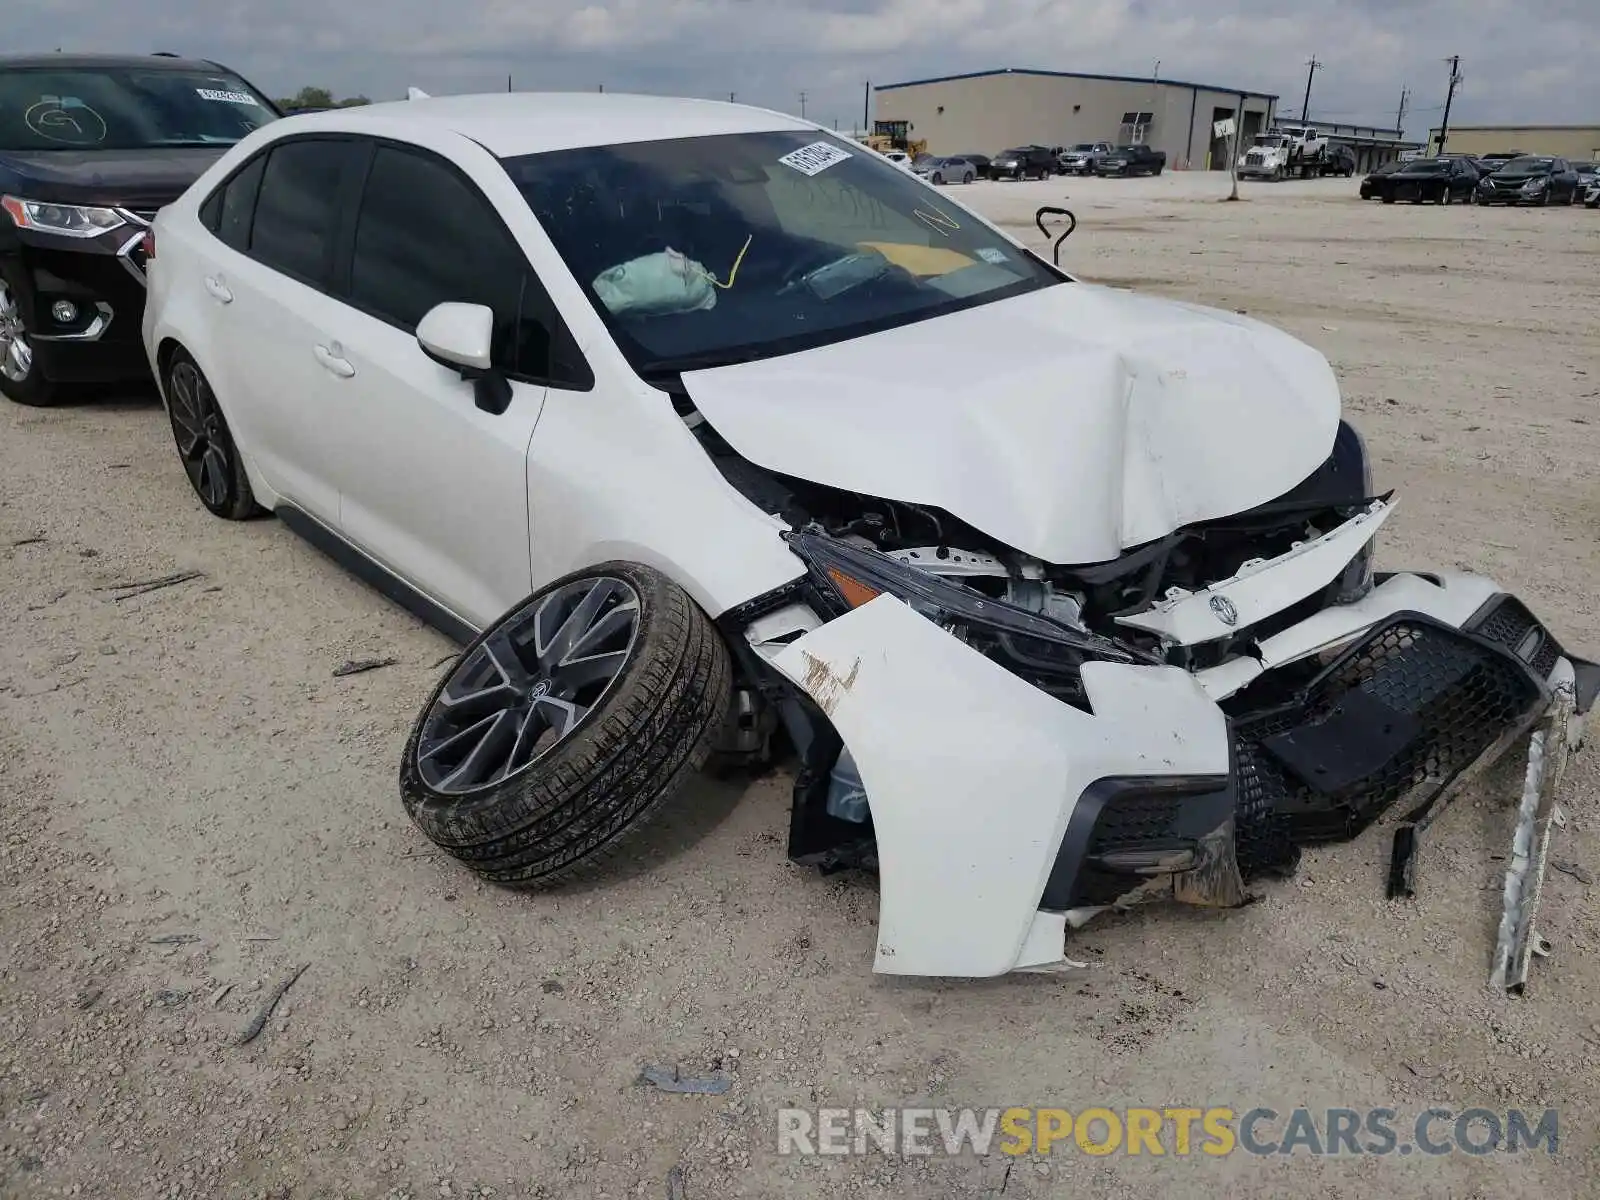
[16,354]
[528,685]
[203,442]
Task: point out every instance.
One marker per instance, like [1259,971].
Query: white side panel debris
[1538,816]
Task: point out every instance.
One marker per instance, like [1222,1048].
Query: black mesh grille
[1134,820]
[1129,821]
[1508,624]
[1262,840]
[1461,694]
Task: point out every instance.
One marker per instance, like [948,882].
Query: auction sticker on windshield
[815,158]
[226,97]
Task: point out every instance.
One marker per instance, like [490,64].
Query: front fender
[973,776]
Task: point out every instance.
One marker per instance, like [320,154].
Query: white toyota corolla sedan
[699,425]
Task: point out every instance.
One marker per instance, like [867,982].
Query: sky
[1521,60]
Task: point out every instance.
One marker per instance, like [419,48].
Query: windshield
[1526,166]
[125,108]
[702,250]
[1081,146]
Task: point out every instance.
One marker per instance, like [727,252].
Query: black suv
[90,147]
[1023,162]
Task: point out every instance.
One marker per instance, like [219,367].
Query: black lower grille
[1442,698]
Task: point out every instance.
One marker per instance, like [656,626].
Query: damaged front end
[1015,747]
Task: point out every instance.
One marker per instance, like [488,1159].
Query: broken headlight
[1044,651]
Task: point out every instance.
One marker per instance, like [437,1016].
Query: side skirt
[375,575]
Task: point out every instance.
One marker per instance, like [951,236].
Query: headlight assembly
[1030,644]
[64,220]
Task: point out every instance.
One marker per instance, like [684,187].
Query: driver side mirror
[461,337]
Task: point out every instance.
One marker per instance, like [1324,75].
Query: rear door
[434,488]
[266,280]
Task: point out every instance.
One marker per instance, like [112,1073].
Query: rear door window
[229,211]
[296,210]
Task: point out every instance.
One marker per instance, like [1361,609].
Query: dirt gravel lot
[192,806]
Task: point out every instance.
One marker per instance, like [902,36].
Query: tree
[318,97]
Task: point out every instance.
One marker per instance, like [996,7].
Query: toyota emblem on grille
[1226,612]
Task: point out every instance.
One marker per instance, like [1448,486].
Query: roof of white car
[512,123]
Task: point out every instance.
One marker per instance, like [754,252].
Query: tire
[1388,199]
[205,445]
[1157,171]
[967,178]
[938,179]
[21,378]
[593,791]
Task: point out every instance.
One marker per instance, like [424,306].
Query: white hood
[1069,424]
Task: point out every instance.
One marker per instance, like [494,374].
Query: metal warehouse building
[1581,142]
[985,112]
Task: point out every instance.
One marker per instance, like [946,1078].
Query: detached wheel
[205,446]
[568,727]
[21,379]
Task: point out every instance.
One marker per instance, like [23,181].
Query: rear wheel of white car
[568,726]
[967,178]
[205,446]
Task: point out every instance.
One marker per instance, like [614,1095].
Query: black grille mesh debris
[1462,694]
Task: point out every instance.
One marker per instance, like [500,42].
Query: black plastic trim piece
[375,575]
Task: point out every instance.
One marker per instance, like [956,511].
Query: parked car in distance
[1339,160]
[1131,160]
[1376,184]
[899,158]
[1023,162]
[1532,179]
[1440,180]
[1588,175]
[1081,159]
[1591,198]
[980,163]
[91,146]
[1498,159]
[936,169]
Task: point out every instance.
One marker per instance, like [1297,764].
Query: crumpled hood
[1069,423]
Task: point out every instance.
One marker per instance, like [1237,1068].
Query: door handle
[219,290]
[332,359]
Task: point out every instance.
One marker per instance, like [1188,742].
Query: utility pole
[1305,108]
[731,96]
[802,106]
[602,87]
[508,83]
[1455,79]
[1238,142]
[1400,117]
[866,109]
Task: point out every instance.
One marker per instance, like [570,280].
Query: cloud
[1523,60]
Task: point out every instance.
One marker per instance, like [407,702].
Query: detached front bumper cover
[1002,815]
